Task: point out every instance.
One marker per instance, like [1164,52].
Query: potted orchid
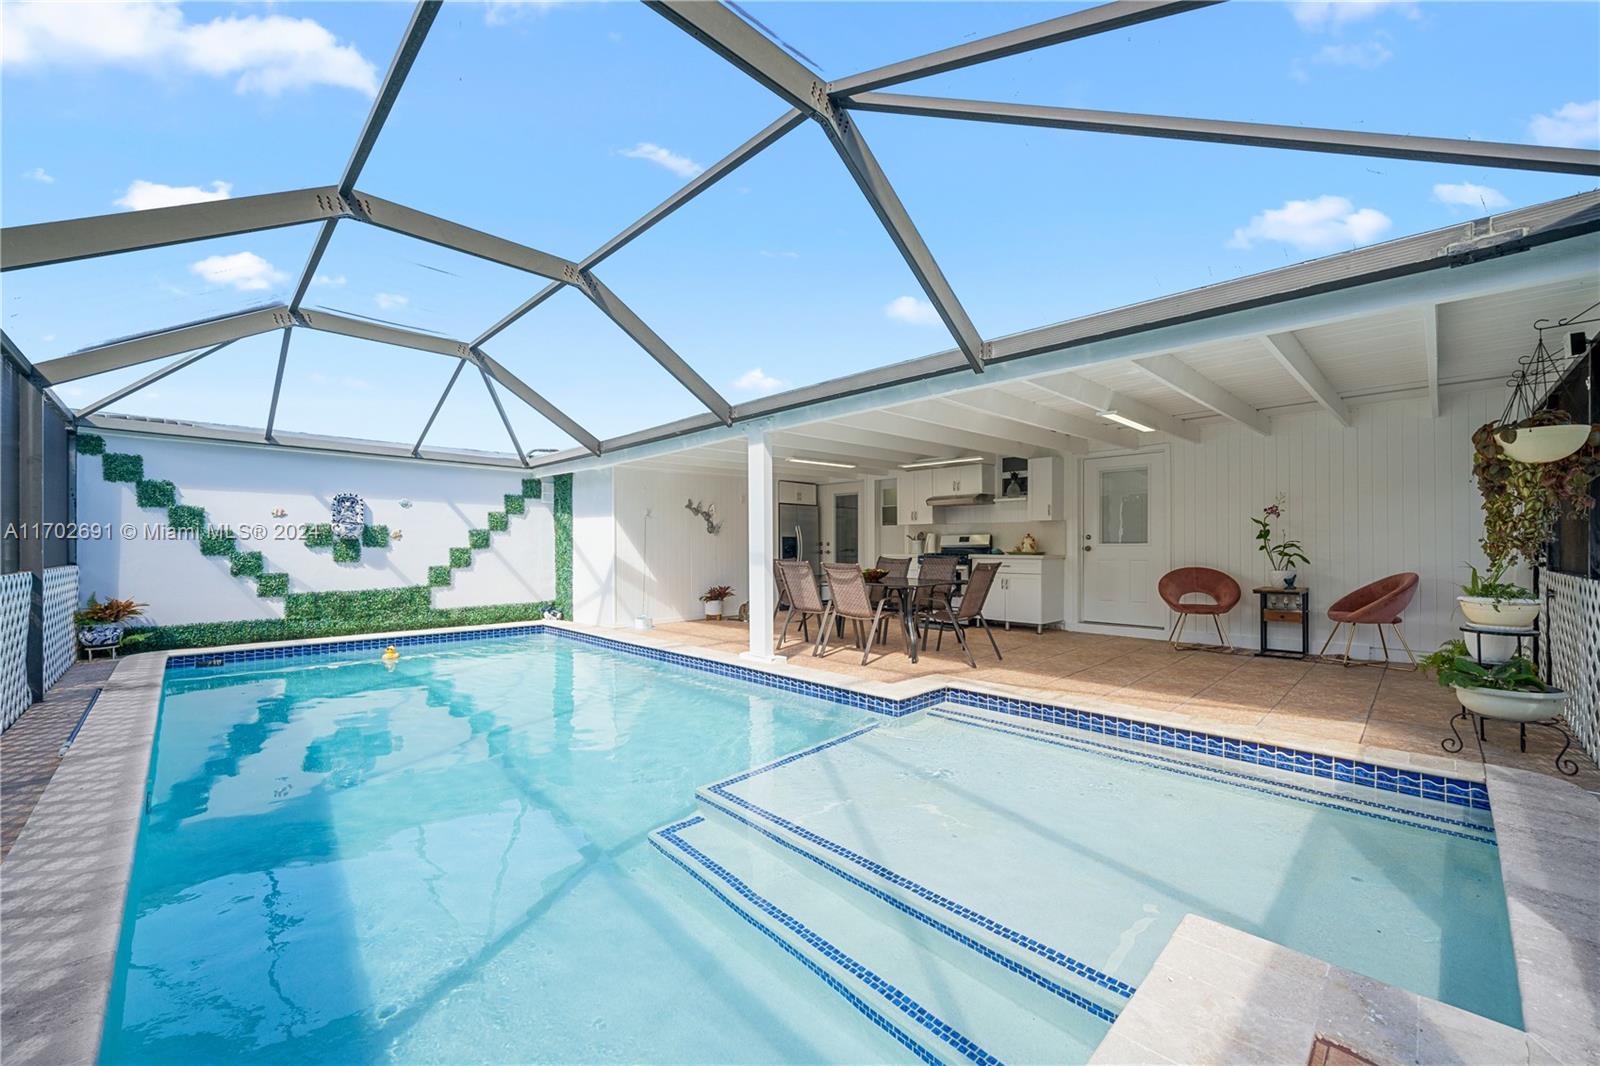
[1283,555]
[713,598]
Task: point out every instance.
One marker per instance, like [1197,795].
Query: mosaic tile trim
[1405,782]
[904,1003]
[960,910]
[331,648]
[1227,777]
[1033,976]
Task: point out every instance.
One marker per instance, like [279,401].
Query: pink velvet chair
[1380,604]
[1221,592]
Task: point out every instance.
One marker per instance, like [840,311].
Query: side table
[1281,605]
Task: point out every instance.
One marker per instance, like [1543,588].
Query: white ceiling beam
[1182,378]
[1037,414]
[1430,354]
[1079,389]
[937,435]
[917,446]
[823,448]
[1293,357]
[1024,437]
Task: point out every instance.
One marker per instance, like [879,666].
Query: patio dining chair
[969,613]
[894,568]
[850,600]
[935,568]
[1379,604]
[797,587]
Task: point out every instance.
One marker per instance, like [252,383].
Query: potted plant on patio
[1510,691]
[1489,600]
[1283,555]
[713,598]
[103,624]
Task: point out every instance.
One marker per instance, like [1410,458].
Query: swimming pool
[494,850]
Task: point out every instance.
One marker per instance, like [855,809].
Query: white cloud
[758,380]
[768,253]
[680,165]
[328,279]
[38,174]
[502,12]
[262,54]
[1367,55]
[1333,14]
[1467,194]
[1318,225]
[391,300]
[910,309]
[143,195]
[245,271]
[1571,125]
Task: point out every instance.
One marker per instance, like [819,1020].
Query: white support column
[763,506]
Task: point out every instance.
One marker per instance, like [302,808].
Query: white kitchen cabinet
[797,492]
[1028,591]
[968,480]
[913,487]
[1044,489]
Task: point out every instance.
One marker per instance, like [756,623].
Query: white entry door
[1123,543]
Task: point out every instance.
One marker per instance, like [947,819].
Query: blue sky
[556,124]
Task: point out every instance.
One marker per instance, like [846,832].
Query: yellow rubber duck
[390,655]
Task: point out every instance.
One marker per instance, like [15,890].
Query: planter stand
[90,649]
[1453,743]
[1522,633]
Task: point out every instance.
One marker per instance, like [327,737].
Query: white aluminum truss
[808,96]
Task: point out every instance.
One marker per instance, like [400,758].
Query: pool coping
[66,878]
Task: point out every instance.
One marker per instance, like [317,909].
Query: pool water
[446,861]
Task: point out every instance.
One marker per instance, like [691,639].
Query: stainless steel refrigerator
[800,534]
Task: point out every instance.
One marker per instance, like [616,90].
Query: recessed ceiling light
[819,462]
[1126,421]
[941,462]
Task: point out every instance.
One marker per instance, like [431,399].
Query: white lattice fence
[1573,620]
[16,590]
[60,600]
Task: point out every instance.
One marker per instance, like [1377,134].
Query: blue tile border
[907,1006]
[1414,783]
[1055,956]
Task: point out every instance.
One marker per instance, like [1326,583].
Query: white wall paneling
[664,557]
[241,485]
[594,549]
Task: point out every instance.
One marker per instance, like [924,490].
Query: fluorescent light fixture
[924,463]
[1126,421]
[820,462]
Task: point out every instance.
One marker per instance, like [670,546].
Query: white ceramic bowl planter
[1509,706]
[1543,444]
[1508,614]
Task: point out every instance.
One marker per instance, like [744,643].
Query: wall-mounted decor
[707,512]
[348,516]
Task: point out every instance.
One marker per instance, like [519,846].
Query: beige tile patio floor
[1289,700]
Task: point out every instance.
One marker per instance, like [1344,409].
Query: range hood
[960,500]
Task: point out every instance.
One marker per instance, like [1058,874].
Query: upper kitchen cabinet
[797,492]
[1044,489]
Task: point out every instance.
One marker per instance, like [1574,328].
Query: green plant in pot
[101,624]
[1511,690]
[713,598]
[1490,600]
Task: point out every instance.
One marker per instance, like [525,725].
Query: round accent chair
[1379,604]
[1221,591]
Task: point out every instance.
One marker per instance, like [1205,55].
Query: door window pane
[1125,506]
[845,530]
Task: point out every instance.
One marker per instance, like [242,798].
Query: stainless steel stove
[963,546]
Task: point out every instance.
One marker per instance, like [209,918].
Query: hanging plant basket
[1526,431]
[1541,444]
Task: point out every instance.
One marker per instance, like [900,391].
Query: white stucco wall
[241,485]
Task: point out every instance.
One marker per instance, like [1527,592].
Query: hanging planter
[1525,431]
[1541,444]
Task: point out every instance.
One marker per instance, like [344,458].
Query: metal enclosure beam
[1037,414]
[425,227]
[69,240]
[520,389]
[1180,377]
[1257,134]
[1101,19]
[1430,354]
[150,346]
[362,329]
[724,32]
[148,379]
[277,383]
[647,338]
[1293,357]
[488,383]
[443,396]
[1092,394]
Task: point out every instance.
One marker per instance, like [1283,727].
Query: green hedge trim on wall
[319,535]
[477,539]
[439,576]
[532,488]
[155,493]
[499,521]
[183,516]
[515,505]
[561,513]
[120,466]
[347,550]
[91,444]
[247,564]
[375,536]
[217,544]
[271,586]
[460,557]
[357,615]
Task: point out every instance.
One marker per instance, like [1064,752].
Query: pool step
[941,999]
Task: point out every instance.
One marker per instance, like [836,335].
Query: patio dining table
[904,590]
